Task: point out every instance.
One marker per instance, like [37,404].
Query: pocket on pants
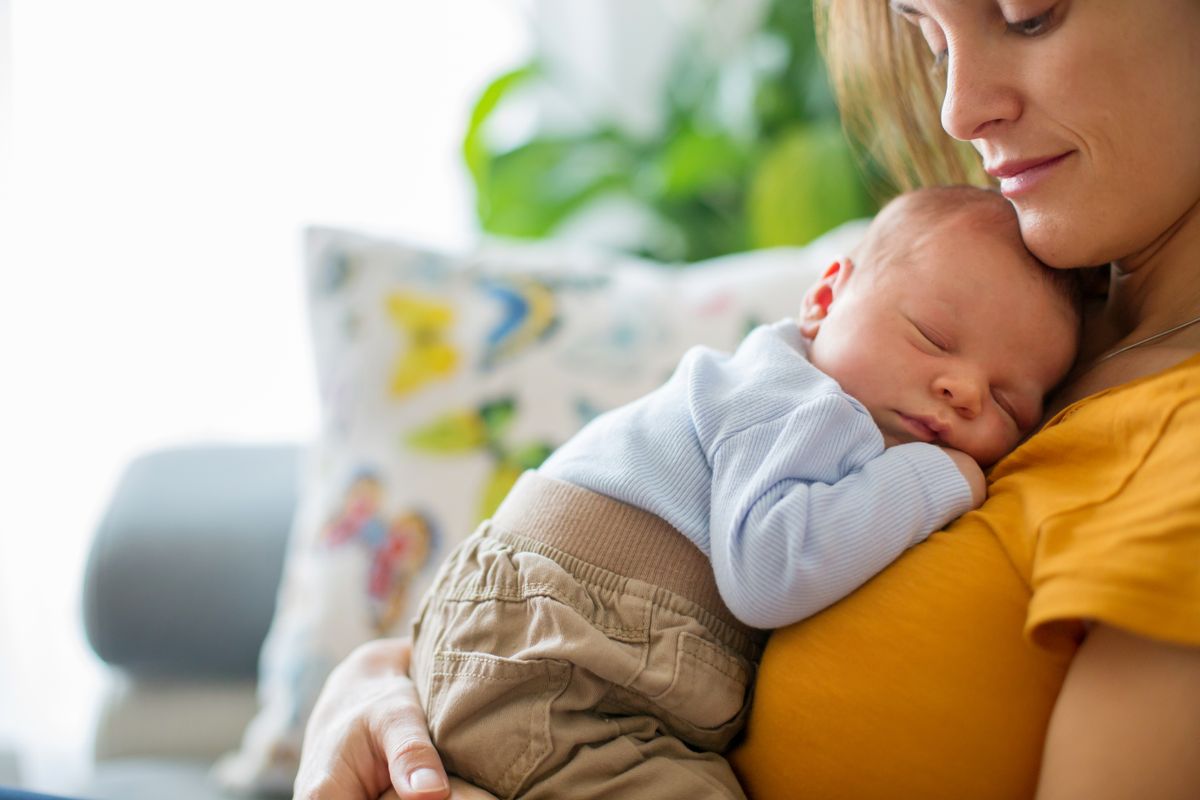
[490,716]
[709,689]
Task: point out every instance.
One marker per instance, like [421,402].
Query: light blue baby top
[774,472]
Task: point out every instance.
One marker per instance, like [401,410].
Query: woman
[1047,644]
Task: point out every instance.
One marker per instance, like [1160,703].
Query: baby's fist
[971,471]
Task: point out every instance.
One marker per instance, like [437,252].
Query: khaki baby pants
[576,647]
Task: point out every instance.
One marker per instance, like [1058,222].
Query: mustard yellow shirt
[936,679]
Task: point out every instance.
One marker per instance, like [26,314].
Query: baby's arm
[806,504]
[787,541]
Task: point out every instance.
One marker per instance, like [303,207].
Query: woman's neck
[1152,290]
[1149,292]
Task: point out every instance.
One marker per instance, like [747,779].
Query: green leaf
[529,190]
[695,162]
[475,151]
[710,225]
[533,188]
[717,181]
[805,185]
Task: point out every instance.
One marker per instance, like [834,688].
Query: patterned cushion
[442,378]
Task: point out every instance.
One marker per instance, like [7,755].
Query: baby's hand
[971,471]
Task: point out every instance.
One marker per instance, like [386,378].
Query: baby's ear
[821,295]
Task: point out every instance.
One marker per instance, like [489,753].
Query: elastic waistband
[617,537]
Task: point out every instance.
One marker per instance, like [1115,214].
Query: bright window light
[160,158]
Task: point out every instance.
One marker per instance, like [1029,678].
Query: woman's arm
[367,734]
[1127,722]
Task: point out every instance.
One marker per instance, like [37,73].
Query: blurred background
[159,159]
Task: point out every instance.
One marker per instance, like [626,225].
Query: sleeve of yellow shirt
[1132,559]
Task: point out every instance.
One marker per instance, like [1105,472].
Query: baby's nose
[962,392]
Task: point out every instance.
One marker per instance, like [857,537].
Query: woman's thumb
[414,765]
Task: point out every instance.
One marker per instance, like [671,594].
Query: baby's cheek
[1002,440]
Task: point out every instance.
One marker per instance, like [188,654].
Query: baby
[598,636]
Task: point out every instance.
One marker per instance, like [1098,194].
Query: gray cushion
[187,559]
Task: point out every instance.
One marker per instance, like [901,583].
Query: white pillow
[441,379]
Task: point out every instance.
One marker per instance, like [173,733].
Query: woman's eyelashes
[1035,25]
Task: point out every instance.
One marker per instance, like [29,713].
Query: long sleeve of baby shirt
[776,474]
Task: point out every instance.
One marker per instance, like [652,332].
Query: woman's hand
[459,790]
[367,733]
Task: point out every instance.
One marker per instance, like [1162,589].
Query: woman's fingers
[368,729]
[348,741]
[413,763]
[416,770]
[397,723]
[459,790]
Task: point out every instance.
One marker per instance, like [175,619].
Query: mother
[1048,643]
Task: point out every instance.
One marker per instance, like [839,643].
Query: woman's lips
[1020,177]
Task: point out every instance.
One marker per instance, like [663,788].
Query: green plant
[778,172]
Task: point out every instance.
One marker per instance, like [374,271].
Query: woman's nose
[979,90]
[962,392]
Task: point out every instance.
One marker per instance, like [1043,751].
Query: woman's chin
[1054,242]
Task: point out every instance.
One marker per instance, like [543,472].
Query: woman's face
[1088,112]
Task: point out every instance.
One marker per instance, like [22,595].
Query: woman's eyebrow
[904,9]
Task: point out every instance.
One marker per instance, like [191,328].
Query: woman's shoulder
[1113,552]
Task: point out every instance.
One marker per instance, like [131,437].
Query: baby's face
[958,347]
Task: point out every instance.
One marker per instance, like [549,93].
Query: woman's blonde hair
[890,95]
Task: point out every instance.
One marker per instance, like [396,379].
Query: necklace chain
[1152,337]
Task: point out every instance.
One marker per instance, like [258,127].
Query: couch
[179,592]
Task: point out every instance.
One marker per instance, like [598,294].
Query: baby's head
[944,325]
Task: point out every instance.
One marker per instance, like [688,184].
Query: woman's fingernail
[425,780]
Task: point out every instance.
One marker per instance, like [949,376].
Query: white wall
[162,157]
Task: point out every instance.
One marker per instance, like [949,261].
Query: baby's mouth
[924,429]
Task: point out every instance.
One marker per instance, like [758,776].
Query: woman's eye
[933,37]
[1034,25]
[930,32]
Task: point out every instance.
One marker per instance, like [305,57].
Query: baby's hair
[904,225]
